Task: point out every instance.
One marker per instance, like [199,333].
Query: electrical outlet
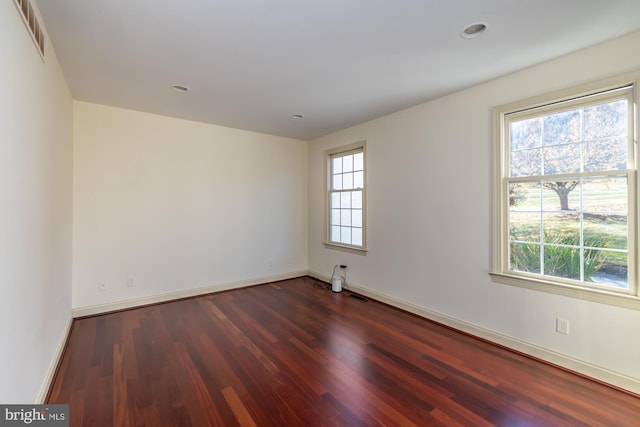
[102,287]
[562,326]
[131,282]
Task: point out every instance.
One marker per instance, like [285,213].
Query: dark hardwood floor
[292,354]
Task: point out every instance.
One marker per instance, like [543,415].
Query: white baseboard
[57,355]
[155,299]
[597,372]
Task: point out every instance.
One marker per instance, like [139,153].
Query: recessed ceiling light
[474,30]
[180,88]
[297,116]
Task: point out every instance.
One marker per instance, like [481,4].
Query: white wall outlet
[270,262]
[131,282]
[102,286]
[562,326]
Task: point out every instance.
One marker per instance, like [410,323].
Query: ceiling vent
[31,21]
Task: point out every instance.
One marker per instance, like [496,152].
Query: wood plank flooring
[292,354]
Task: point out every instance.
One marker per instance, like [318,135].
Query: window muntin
[567,192]
[346,208]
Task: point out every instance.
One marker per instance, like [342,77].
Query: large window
[566,192]
[346,197]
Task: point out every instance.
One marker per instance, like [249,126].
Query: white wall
[429,216]
[35,211]
[180,205]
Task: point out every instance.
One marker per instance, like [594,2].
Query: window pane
[345,217]
[606,120]
[607,268]
[562,127]
[347,163]
[525,134]
[347,181]
[335,216]
[356,199]
[345,199]
[345,235]
[525,196]
[526,162]
[356,236]
[562,159]
[358,162]
[561,228]
[337,182]
[337,165]
[562,261]
[610,154]
[335,200]
[356,218]
[524,257]
[358,180]
[561,195]
[524,226]
[602,195]
[335,233]
[605,231]
[605,213]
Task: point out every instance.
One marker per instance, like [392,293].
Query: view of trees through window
[568,192]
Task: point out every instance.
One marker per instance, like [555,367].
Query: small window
[27,12]
[346,197]
[565,192]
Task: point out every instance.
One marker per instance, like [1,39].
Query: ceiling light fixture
[474,30]
[297,116]
[180,88]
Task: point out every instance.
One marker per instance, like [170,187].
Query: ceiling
[253,64]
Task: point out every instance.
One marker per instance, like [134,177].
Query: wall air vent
[31,21]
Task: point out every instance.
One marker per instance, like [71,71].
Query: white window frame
[500,272]
[329,154]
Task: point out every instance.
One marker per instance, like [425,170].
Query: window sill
[346,248]
[579,292]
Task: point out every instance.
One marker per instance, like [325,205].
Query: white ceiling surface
[252,64]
